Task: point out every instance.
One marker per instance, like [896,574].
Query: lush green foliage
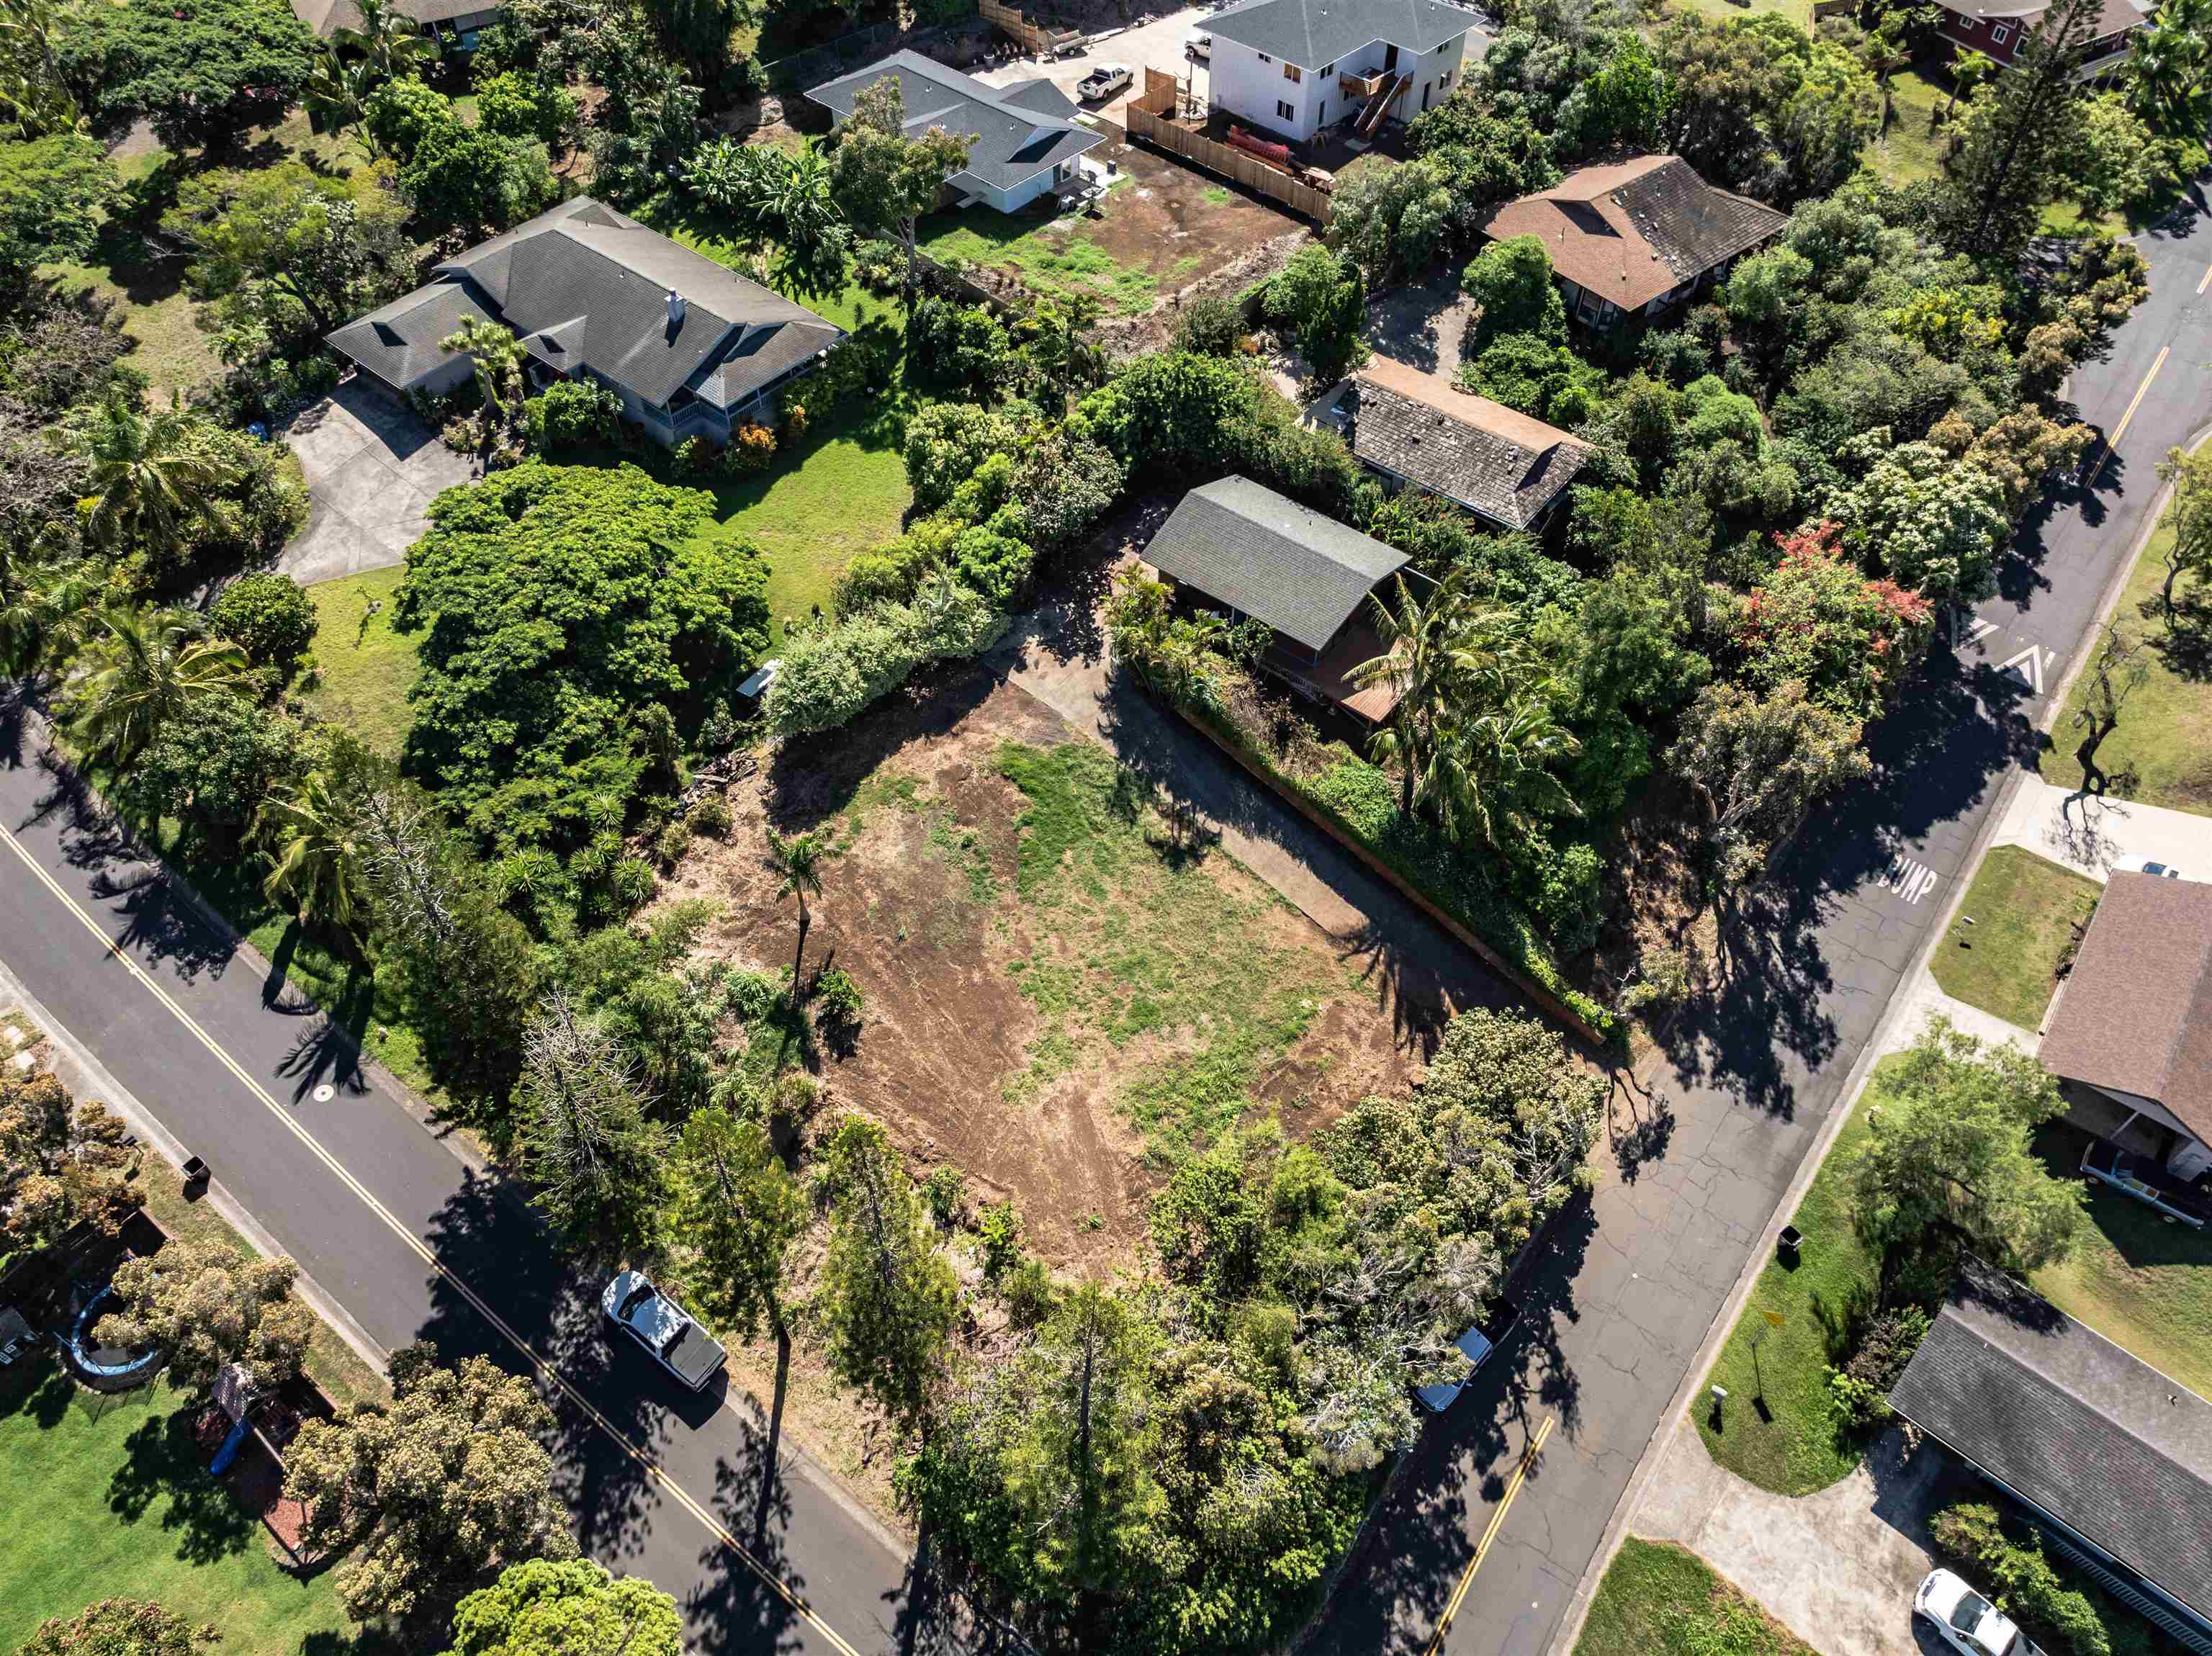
[268,615]
[202,73]
[547,1607]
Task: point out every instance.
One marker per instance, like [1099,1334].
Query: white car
[1199,45]
[663,1327]
[1970,1624]
[1103,81]
[2145,866]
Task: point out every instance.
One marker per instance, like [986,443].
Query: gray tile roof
[402,342]
[2099,1441]
[584,288]
[1016,131]
[1315,34]
[1270,558]
[1485,456]
[327,17]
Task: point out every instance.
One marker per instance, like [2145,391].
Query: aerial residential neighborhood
[1329,825]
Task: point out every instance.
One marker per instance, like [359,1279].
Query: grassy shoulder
[111,1495]
[1776,1429]
[331,1363]
[1659,1599]
[2165,735]
[2025,909]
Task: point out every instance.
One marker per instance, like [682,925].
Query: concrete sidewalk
[2089,835]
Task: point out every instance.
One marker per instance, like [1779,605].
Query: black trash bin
[1789,1242]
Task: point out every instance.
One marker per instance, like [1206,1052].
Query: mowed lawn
[1659,1599]
[2138,1280]
[2024,908]
[2165,735]
[108,1496]
[366,668]
[1914,143]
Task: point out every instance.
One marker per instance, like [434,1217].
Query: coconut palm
[2170,71]
[1496,758]
[151,476]
[497,356]
[390,42]
[316,862]
[148,666]
[41,602]
[796,863]
[337,95]
[1432,647]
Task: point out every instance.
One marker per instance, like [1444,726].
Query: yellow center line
[2205,280]
[1497,1522]
[543,1367]
[2121,430]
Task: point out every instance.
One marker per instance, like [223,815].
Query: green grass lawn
[1659,1599]
[2139,1281]
[365,668]
[2166,727]
[2025,908]
[1911,146]
[1799,12]
[1052,252]
[1791,1447]
[107,1497]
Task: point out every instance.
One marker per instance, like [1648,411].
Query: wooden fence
[1152,118]
[1033,38]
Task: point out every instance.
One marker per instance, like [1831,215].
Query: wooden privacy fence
[1152,118]
[1033,38]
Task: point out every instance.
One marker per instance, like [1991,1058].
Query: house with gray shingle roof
[1419,430]
[2109,1458]
[1636,235]
[692,348]
[456,23]
[1292,67]
[1245,550]
[1023,140]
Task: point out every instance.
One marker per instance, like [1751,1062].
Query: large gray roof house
[1262,557]
[2111,1459]
[692,348]
[1023,139]
[454,22]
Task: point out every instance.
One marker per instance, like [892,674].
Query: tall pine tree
[2018,132]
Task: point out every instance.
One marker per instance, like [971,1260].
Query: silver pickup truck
[664,1328]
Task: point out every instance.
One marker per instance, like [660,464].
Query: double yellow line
[1497,1522]
[681,1496]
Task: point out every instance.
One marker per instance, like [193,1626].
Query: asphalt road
[1629,1283]
[414,1243]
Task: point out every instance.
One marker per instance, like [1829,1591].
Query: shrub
[999,1228]
[268,615]
[837,1007]
[710,816]
[1026,1289]
[794,422]
[856,368]
[2021,1579]
[671,842]
[752,448]
[1211,326]
[693,455]
[828,678]
[945,1193]
[571,413]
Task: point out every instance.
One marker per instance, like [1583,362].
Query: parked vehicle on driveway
[1103,81]
[1475,1345]
[2145,866]
[1970,1624]
[664,1328]
[1199,45]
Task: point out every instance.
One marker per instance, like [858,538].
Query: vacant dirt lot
[1063,990]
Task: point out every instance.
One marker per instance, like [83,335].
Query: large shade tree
[567,1607]
[884,179]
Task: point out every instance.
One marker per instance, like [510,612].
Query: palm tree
[798,861]
[392,43]
[151,475]
[40,604]
[337,95]
[1499,755]
[1430,647]
[148,667]
[497,356]
[316,864]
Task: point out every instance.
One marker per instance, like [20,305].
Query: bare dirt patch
[1063,992]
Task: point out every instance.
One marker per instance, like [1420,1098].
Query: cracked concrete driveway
[373,468]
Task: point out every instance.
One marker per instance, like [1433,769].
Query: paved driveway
[1157,43]
[373,467]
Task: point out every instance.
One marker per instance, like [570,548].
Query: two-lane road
[1629,1283]
[412,1241]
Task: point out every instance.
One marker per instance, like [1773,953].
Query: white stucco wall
[1250,87]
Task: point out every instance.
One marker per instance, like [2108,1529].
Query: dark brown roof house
[1636,235]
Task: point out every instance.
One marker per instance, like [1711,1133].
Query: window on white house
[1999,34]
[1283,111]
[1443,81]
[1293,74]
[1321,115]
[1968,25]
[1330,70]
[1265,58]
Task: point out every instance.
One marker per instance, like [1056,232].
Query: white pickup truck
[663,1327]
[1103,81]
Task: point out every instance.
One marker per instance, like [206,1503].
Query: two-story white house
[1289,67]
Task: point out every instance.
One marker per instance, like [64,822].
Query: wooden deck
[1330,678]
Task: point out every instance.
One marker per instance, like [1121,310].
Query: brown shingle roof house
[2135,1018]
[1418,428]
[1628,235]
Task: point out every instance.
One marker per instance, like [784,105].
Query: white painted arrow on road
[2027,667]
[1967,627]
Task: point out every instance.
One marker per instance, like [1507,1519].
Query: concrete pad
[1836,1567]
[2089,835]
[1924,999]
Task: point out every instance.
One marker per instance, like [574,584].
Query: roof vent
[675,308]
